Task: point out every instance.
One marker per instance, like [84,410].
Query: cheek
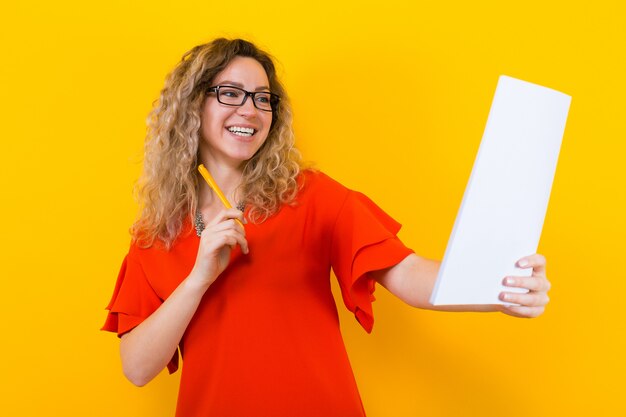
[268,121]
[211,123]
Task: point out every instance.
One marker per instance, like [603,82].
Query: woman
[250,307]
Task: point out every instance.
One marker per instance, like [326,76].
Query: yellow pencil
[209,180]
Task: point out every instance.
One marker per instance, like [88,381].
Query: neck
[226,176]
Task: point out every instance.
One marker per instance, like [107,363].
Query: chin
[241,157]
[236,151]
[245,152]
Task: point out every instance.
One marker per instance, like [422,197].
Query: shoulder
[318,184]
[335,199]
[319,196]
[164,268]
[158,253]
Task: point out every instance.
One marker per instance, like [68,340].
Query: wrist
[196,283]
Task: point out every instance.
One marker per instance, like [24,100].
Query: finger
[228,224]
[523,312]
[536,262]
[241,240]
[231,235]
[227,214]
[227,227]
[530,283]
[536,299]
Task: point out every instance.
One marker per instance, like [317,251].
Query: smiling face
[233,134]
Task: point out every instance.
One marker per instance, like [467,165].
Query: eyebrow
[236,84]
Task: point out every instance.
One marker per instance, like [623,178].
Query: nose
[247,108]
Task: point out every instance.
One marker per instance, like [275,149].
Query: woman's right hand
[216,242]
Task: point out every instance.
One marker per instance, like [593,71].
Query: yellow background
[391,99]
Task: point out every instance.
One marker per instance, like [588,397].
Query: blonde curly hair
[167,190]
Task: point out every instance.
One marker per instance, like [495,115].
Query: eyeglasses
[233,96]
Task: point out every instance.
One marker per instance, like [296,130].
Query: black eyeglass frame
[274,98]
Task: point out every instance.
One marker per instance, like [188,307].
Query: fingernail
[509,281]
[523,263]
[506,297]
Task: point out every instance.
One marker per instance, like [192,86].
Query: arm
[147,349]
[412,280]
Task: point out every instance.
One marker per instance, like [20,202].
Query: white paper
[506,198]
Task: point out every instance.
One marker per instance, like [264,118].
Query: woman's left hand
[533,303]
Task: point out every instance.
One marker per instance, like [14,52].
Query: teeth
[241,131]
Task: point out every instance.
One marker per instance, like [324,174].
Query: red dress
[265,340]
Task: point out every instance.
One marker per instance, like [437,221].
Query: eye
[264,98]
[230,92]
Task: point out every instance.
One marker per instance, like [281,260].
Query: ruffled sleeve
[133,301]
[364,240]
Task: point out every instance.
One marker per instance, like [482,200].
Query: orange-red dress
[265,340]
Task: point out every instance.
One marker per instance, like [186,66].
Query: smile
[241,131]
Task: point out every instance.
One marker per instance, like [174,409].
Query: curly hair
[167,190]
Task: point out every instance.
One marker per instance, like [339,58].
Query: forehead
[245,71]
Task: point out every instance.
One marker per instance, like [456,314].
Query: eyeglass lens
[236,97]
